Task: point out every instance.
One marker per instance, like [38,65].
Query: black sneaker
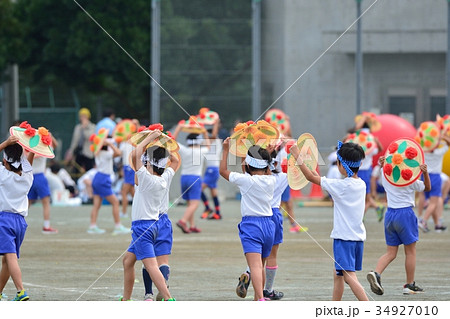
[244,282]
[273,295]
[440,228]
[410,289]
[375,282]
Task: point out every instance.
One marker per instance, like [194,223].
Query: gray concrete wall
[404,44]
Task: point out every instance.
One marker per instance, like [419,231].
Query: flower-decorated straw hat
[37,141]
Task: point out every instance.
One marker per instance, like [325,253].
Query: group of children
[261,185]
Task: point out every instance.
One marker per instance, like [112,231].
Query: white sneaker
[95,230]
[123,215]
[148,297]
[121,230]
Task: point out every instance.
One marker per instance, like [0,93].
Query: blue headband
[346,164]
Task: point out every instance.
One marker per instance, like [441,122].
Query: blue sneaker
[21,296]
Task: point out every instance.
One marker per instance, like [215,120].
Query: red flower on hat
[30,131]
[142,128]
[250,122]
[169,134]
[387,169]
[46,139]
[91,138]
[393,147]
[157,126]
[288,146]
[24,125]
[406,174]
[410,152]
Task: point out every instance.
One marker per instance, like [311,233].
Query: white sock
[46,224]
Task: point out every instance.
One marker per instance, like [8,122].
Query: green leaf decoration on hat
[411,163]
[34,141]
[389,159]
[402,147]
[396,173]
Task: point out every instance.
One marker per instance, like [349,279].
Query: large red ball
[392,128]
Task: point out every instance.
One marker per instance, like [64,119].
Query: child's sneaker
[273,295]
[298,229]
[182,225]
[411,289]
[440,228]
[95,230]
[244,282]
[206,214]
[170,299]
[375,282]
[195,230]
[380,212]
[423,226]
[49,230]
[215,216]
[121,230]
[123,215]
[148,297]
[21,296]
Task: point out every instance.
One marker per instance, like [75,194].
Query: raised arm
[173,161]
[311,176]
[223,168]
[177,131]
[426,177]
[117,152]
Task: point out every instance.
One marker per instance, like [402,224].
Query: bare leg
[14,270]
[129,260]
[432,206]
[386,259]
[420,204]
[188,216]
[255,263]
[358,290]
[338,287]
[410,262]
[95,208]
[46,208]
[4,274]
[126,189]
[152,268]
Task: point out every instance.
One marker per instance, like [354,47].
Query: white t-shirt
[126,149]
[14,189]
[257,193]
[435,158]
[39,165]
[349,195]
[333,172]
[54,181]
[104,161]
[213,156]
[281,182]
[192,159]
[151,191]
[401,197]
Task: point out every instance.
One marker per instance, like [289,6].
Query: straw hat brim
[408,170]
[32,144]
[261,134]
[103,136]
[279,119]
[163,141]
[308,148]
[428,142]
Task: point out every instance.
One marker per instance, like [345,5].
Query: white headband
[26,167]
[197,141]
[161,163]
[255,162]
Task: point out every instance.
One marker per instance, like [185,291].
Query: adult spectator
[80,146]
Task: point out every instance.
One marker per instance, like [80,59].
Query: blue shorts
[164,238]
[12,232]
[286,196]
[277,218]
[128,175]
[256,234]
[400,226]
[211,177]
[101,185]
[191,187]
[365,175]
[436,186]
[348,255]
[39,189]
[143,237]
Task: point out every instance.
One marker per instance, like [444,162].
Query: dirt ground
[73,265]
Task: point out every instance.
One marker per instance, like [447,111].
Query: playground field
[73,265]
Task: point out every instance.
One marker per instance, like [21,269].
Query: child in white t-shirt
[152,188]
[256,230]
[400,228]
[348,231]
[16,178]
